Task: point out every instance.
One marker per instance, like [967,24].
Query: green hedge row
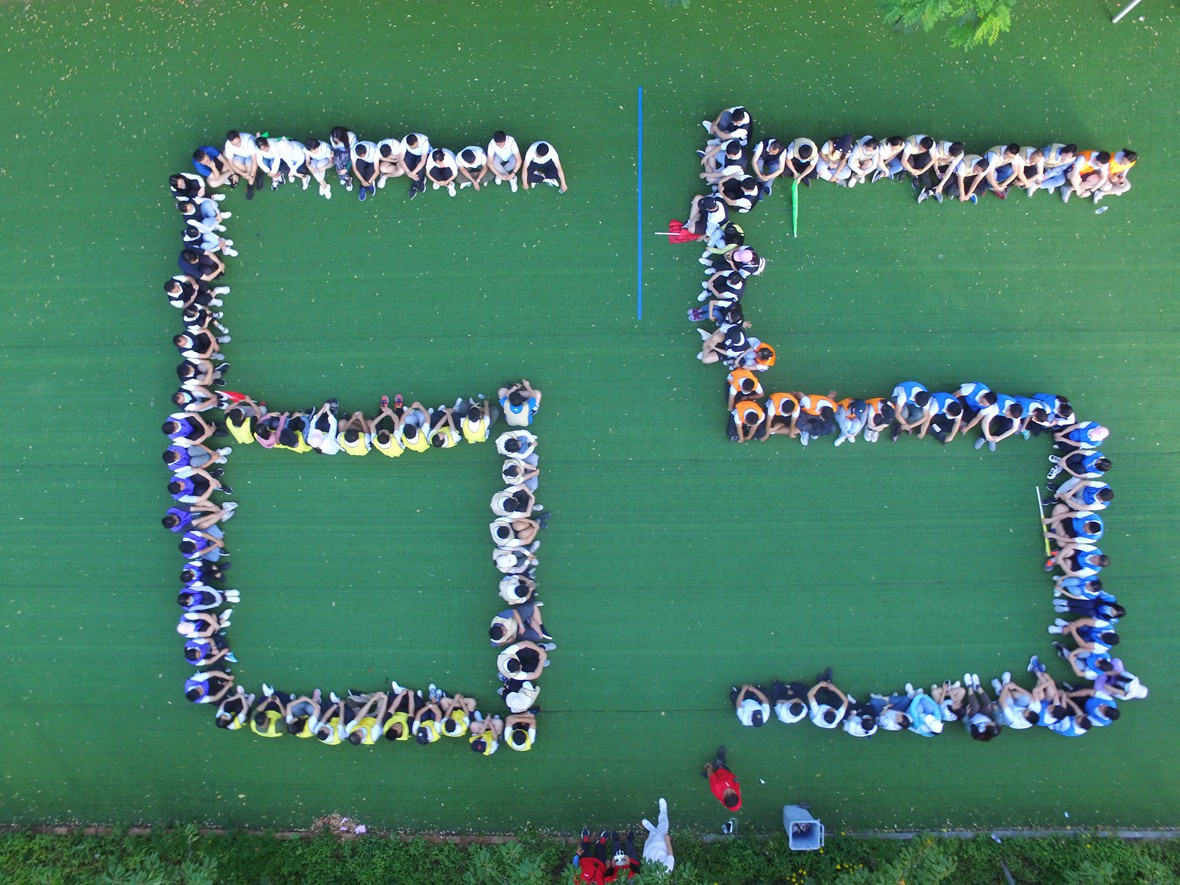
[185,856]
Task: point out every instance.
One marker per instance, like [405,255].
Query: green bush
[972,22]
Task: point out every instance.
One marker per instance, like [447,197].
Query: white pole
[1126,9]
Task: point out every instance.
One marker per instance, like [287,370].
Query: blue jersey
[1097,718]
[1090,496]
[182,459]
[1083,434]
[1085,464]
[971,392]
[1081,530]
[1004,401]
[941,401]
[185,517]
[1027,404]
[203,169]
[905,391]
[185,429]
[1067,727]
[187,487]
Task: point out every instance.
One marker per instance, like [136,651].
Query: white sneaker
[512,184]
[499,181]
[227,215]
[839,441]
[306,182]
[464,184]
[381,183]
[327,192]
[451,189]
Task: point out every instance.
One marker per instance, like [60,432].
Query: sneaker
[923,194]
[877,176]
[585,832]
[451,189]
[974,198]
[839,441]
[327,192]
[381,182]
[1060,622]
[909,689]
[398,689]
[275,182]
[991,446]
[228,490]
[915,184]
[1003,195]
[363,195]
[333,698]
[413,192]
[384,401]
[1006,677]
[549,646]
[938,196]
[306,182]
[1026,434]
[1034,665]
[1053,628]
[1054,472]
[348,187]
[1052,486]
[1060,649]
[512,184]
[804,438]
[997,686]
[249,190]
[895,435]
[979,443]
[1066,193]
[267,690]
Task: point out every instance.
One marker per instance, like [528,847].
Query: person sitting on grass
[768,162]
[747,421]
[390,160]
[590,859]
[516,471]
[817,416]
[521,622]
[860,720]
[485,734]
[520,403]
[457,711]
[234,711]
[208,687]
[790,701]
[826,704]
[354,436]
[543,166]
[520,695]
[943,418]
[751,705]
[364,168]
[442,170]
[980,716]
[365,725]
[731,123]
[523,660]
[1090,634]
[504,160]
[269,717]
[1101,709]
[520,731]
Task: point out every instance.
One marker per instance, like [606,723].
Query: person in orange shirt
[1120,165]
[817,416]
[1088,176]
[722,782]
[783,410]
[743,384]
[747,421]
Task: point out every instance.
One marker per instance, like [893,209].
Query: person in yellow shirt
[522,731]
[477,421]
[444,429]
[399,713]
[234,710]
[385,428]
[355,435]
[415,421]
[302,714]
[456,713]
[365,725]
[265,720]
[485,734]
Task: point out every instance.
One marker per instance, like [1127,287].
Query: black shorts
[364,168]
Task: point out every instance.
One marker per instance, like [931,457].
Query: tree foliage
[971,22]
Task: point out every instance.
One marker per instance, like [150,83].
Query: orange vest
[812,404]
[735,383]
[750,413]
[784,404]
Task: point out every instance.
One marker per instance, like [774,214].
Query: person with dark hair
[860,720]
[241,156]
[208,687]
[234,711]
[1029,164]
[400,713]
[802,157]
[519,695]
[476,421]
[1116,182]
[731,123]
[707,215]
[782,413]
[1090,608]
[863,160]
[197,596]
[456,710]
[1087,176]
[889,158]
[1000,421]
[1089,634]
[518,471]
[1059,161]
[911,406]
[444,432]
[200,264]
[485,734]
[517,444]
[520,403]
[879,417]
[317,157]
[1078,560]
[851,417]
[364,727]
[342,142]
[442,169]
[943,418]
[520,731]
[472,162]
[504,160]
[1080,465]
[741,384]
[1016,706]
[390,160]
[817,416]
[722,782]
[364,168]
[892,712]
[186,186]
[767,162]
[208,650]
[269,718]
[980,716]
[722,162]
[948,157]
[970,176]
[521,622]
[917,158]
[203,215]
[415,149]
[747,421]
[517,589]
[514,531]
[182,519]
[523,660]
[1066,526]
[590,859]
[543,166]
[185,291]
[1003,167]
[789,701]
[834,155]
[1100,708]
[751,705]
[826,704]
[355,435]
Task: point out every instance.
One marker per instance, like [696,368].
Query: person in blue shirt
[1083,494]
[1005,421]
[1087,435]
[1065,525]
[1090,608]
[1090,634]
[208,687]
[910,403]
[1101,709]
[1081,588]
[209,162]
[944,417]
[1080,464]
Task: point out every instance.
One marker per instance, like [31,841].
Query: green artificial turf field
[676,563]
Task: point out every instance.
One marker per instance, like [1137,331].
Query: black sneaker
[895,435]
[228,490]
[585,832]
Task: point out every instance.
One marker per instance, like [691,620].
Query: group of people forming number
[199,491]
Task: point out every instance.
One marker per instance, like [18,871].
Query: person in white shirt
[241,152]
[504,159]
[1004,163]
[293,157]
[542,165]
[442,170]
[802,157]
[415,150]
[317,157]
[863,160]
[473,166]
[947,156]
[342,141]
[390,160]
[751,705]
[658,847]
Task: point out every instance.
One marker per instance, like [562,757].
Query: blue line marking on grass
[639,211]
